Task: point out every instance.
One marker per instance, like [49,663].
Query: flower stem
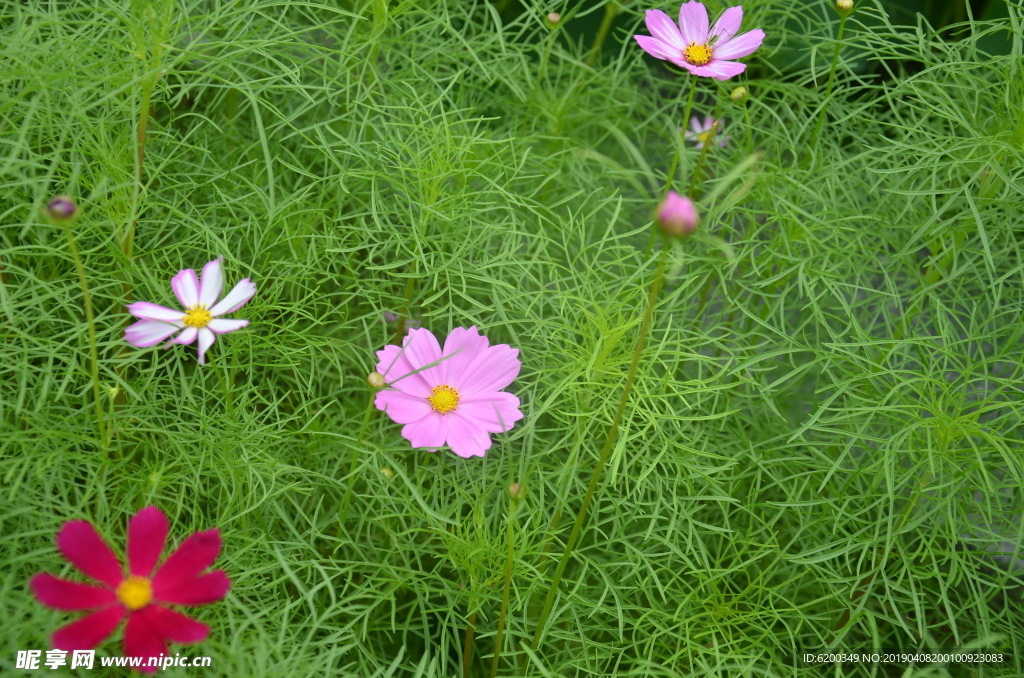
[540,75]
[611,10]
[829,86]
[675,159]
[602,460]
[93,348]
[509,554]
[467,645]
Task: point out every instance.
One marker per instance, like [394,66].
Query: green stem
[509,554]
[93,346]
[540,75]
[611,10]
[700,159]
[828,87]
[467,645]
[602,460]
[352,465]
[675,159]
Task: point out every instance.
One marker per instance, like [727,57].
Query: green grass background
[822,448]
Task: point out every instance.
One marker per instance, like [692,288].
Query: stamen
[135,592]
[698,55]
[444,400]
[197,316]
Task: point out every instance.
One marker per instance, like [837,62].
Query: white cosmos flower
[201,317]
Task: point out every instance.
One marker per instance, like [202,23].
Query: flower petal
[239,295]
[204,589]
[146,333]
[693,22]
[740,46]
[393,363]
[89,631]
[664,29]
[69,595]
[720,70]
[402,407]
[147,311]
[170,625]
[466,437]
[211,284]
[206,339]
[186,337]
[193,556]
[142,640]
[494,412]
[429,431]
[727,25]
[83,547]
[655,47]
[186,287]
[147,532]
[493,370]
[421,348]
[460,350]
[223,325]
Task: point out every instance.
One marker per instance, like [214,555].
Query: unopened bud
[844,7]
[554,18]
[516,491]
[61,208]
[739,94]
[376,380]
[387,473]
[677,215]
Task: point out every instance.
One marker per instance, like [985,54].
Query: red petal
[142,640]
[84,548]
[173,626]
[199,591]
[69,595]
[193,556]
[147,532]
[88,632]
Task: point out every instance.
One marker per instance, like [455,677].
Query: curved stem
[509,554]
[611,10]
[675,158]
[93,347]
[609,443]
[828,87]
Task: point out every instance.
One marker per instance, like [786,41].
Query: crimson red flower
[137,594]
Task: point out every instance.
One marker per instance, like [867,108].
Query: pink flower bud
[61,208]
[677,215]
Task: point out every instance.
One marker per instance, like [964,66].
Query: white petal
[211,284]
[235,299]
[206,339]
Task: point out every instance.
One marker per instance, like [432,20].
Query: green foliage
[821,451]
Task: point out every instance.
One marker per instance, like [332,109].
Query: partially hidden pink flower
[452,396]
[700,132]
[678,215]
[691,45]
[200,319]
[140,593]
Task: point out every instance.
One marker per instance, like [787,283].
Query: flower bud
[516,491]
[677,215]
[376,380]
[739,94]
[386,472]
[844,7]
[61,208]
[553,19]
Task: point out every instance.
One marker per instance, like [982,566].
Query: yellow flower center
[135,592]
[704,137]
[198,316]
[698,55]
[444,400]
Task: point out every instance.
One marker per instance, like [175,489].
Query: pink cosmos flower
[678,215]
[692,46]
[135,594]
[700,133]
[200,317]
[452,397]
